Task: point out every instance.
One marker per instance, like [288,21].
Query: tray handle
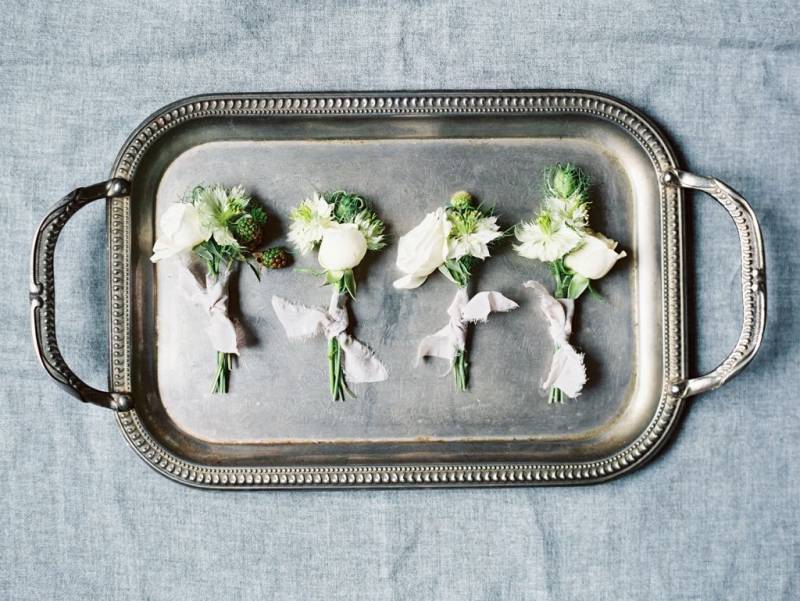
[42,294]
[754,288]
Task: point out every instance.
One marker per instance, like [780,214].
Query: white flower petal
[422,250]
[545,246]
[595,257]
[343,247]
[180,229]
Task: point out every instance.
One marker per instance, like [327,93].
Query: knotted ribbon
[211,293]
[567,371]
[451,339]
[299,321]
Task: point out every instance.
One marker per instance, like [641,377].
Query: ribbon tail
[567,372]
[443,344]
[299,321]
[223,333]
[211,293]
[360,363]
[484,303]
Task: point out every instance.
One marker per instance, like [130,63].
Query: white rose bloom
[179,230]
[343,246]
[595,257]
[422,250]
[476,243]
[309,220]
[545,240]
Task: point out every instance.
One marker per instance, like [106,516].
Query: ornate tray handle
[754,289]
[42,294]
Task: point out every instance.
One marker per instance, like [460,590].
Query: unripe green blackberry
[246,230]
[276,257]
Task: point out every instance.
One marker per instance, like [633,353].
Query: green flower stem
[336,380]
[335,371]
[461,371]
[460,362]
[563,277]
[222,376]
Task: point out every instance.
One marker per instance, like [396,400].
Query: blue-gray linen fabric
[714,517]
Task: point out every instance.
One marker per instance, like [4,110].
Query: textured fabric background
[714,517]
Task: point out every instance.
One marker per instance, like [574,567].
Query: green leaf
[577,286]
[256,267]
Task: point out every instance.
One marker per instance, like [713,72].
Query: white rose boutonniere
[595,257]
[214,229]
[422,250]
[179,230]
[342,227]
[343,246]
[452,239]
[559,235]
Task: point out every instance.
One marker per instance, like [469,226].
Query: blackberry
[276,257]
[247,230]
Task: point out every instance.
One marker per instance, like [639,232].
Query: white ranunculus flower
[476,243]
[545,239]
[422,250]
[595,257]
[179,230]
[343,246]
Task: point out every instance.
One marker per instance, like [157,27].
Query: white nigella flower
[471,234]
[216,207]
[547,238]
[308,223]
[371,228]
[573,210]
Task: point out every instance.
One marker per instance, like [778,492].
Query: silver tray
[408,151]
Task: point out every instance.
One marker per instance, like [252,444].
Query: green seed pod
[461,200]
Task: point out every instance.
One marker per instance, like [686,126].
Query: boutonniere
[212,230]
[560,236]
[452,239]
[342,227]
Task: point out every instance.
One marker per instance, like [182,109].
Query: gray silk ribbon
[299,321]
[567,371]
[211,293]
[451,339]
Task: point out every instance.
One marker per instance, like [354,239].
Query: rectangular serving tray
[408,152]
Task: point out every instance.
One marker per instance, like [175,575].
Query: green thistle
[259,215]
[346,206]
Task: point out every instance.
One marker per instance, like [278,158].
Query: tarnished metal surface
[408,152]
